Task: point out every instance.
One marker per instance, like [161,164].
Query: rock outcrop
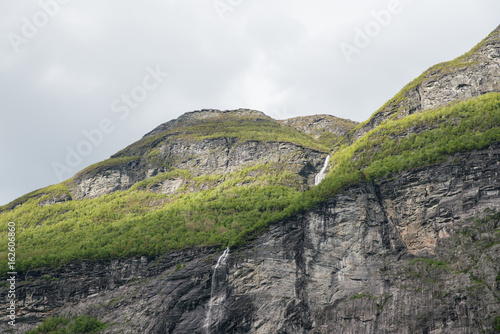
[318,125]
[200,116]
[203,157]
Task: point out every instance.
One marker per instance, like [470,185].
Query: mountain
[215,223]
[470,75]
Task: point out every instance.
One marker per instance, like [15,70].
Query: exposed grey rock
[103,183]
[397,256]
[162,150]
[56,198]
[412,253]
[207,156]
[316,125]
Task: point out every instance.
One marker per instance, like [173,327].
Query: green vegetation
[424,138]
[329,139]
[148,183]
[496,324]
[54,191]
[385,299]
[250,130]
[242,128]
[431,263]
[106,164]
[238,206]
[52,325]
[139,222]
[317,127]
[87,324]
[63,325]
[179,266]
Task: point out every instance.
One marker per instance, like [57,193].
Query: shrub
[87,324]
[63,325]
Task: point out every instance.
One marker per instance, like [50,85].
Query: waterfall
[216,298]
[322,173]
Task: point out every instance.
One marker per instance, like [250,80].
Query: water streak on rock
[322,173]
[215,298]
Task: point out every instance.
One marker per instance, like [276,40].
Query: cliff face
[402,255]
[208,156]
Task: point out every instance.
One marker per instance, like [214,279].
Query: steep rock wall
[398,256]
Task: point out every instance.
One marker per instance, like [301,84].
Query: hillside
[217,175]
[401,236]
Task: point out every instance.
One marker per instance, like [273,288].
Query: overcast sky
[69,67]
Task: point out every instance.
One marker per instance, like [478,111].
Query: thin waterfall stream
[322,173]
[216,299]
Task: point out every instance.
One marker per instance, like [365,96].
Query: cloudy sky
[86,78]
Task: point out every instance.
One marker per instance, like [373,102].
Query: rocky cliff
[417,253]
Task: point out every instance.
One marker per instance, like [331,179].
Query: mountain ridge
[181,123]
[443,83]
[203,114]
